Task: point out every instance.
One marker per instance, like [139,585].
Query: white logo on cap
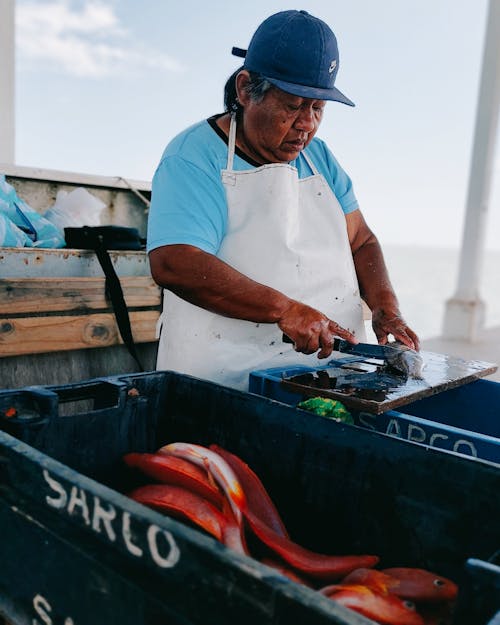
[332,67]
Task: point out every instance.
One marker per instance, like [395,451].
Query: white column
[7,82]
[464,313]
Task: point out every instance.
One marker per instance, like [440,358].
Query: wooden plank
[35,335]
[31,262]
[43,295]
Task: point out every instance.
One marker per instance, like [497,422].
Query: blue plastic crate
[465,419]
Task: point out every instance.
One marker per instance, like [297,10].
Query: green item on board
[330,408]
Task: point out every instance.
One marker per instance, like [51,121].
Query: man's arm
[206,281]
[375,285]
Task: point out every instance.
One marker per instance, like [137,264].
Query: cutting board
[366,384]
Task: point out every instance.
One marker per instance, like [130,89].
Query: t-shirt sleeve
[338,180]
[188,206]
[344,191]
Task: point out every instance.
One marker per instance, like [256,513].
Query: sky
[103,85]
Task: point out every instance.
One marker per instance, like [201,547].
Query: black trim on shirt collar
[213,124]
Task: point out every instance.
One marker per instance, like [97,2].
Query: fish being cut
[396,355]
[405,360]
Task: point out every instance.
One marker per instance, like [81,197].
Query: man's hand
[310,330]
[386,320]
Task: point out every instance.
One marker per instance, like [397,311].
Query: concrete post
[464,313]
[7,82]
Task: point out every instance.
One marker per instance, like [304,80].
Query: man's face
[280,126]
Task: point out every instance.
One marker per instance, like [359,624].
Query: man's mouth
[296,145]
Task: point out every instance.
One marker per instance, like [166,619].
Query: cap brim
[311,92]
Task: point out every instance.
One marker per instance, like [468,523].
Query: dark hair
[256,88]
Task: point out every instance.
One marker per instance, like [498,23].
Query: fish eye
[409,604]
[438,582]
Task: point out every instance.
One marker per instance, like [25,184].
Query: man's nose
[305,120]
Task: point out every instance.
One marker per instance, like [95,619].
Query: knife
[404,360]
[368,350]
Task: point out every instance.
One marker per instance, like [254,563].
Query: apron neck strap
[231,142]
[310,163]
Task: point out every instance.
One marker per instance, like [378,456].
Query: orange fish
[257,498]
[420,585]
[372,578]
[384,609]
[175,471]
[183,504]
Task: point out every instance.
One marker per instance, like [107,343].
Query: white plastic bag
[75,209]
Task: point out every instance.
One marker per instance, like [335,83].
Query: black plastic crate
[74,547]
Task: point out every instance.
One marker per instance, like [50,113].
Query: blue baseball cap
[297,53]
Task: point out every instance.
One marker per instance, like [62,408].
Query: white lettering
[367,420]
[472,449]
[173,554]
[435,436]
[78,499]
[393,428]
[102,517]
[42,607]
[106,516]
[416,433]
[55,502]
[127,536]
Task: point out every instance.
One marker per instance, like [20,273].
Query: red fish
[376,580]
[314,565]
[188,506]
[421,586]
[257,498]
[218,468]
[176,471]
[384,609]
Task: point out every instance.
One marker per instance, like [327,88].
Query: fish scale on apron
[284,232]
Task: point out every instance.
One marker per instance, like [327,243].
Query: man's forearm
[376,289]
[373,278]
[205,280]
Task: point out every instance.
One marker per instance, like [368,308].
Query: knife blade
[370,350]
[360,349]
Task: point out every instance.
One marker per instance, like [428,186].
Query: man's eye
[291,107]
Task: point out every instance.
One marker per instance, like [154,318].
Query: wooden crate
[39,315]
[56,324]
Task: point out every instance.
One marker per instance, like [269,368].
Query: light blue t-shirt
[188,202]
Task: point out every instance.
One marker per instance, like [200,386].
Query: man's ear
[242,80]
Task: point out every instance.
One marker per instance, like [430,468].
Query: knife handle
[337,342]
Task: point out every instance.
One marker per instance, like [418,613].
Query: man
[254,230]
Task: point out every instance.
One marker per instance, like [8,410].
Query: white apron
[287,233]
